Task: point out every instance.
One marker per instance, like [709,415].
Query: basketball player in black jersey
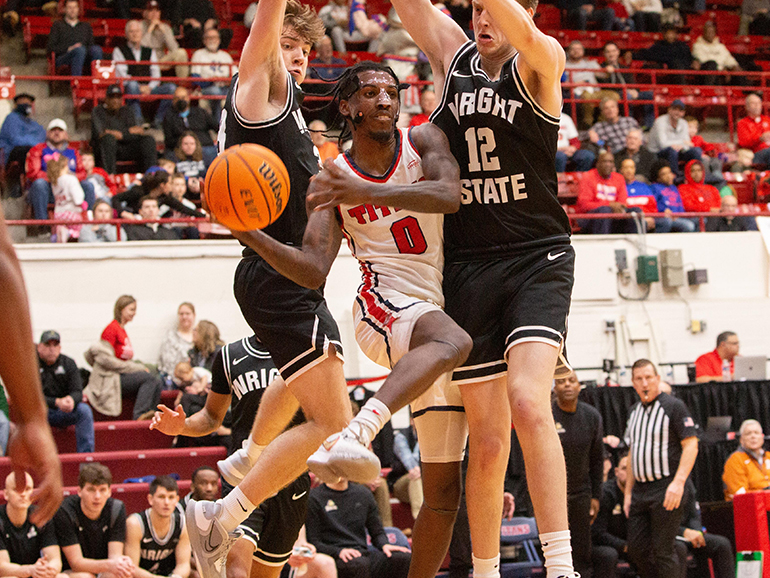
[508,270]
[156,539]
[240,376]
[292,322]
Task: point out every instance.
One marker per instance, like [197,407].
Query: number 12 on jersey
[481,142]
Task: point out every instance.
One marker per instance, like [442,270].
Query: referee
[663,446]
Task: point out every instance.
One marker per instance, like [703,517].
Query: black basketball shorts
[509,299]
[274,526]
[293,322]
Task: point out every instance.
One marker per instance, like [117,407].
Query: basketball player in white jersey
[508,270]
[388,193]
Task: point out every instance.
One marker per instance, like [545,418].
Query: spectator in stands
[103,233]
[156,185]
[696,195]
[609,531]
[63,390]
[640,196]
[754,17]
[72,41]
[148,211]
[26,549]
[196,17]
[712,152]
[327,148]
[70,202]
[407,481]
[568,148]
[126,56]
[116,134]
[204,486]
[712,54]
[19,133]
[636,151]
[580,430]
[194,384]
[602,190]
[158,36]
[182,117]
[315,565]
[335,15]
[103,182]
[668,198]
[144,385]
[156,539]
[754,130]
[670,137]
[748,468]
[581,12]
[338,519]
[744,160]
[733,222]
[325,65]
[188,157]
[589,88]
[362,28]
[611,64]
[56,145]
[91,527]
[719,364]
[178,341]
[428,103]
[611,132]
[206,344]
[213,62]
[645,14]
[704,546]
[671,53]
[178,192]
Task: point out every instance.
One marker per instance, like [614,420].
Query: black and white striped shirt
[655,432]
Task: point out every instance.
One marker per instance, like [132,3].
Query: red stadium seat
[115,436]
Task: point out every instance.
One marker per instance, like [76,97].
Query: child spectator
[91,527]
[668,198]
[696,195]
[188,156]
[103,182]
[178,190]
[206,344]
[195,385]
[712,152]
[640,196]
[167,165]
[69,198]
[744,161]
[178,341]
[101,233]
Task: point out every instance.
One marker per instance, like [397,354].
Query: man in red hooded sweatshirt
[696,195]
[602,190]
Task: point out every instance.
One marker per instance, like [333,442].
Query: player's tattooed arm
[439,192]
[309,265]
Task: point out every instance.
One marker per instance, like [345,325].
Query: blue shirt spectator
[668,198]
[19,128]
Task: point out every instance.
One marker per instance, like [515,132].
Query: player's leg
[239,559]
[489,441]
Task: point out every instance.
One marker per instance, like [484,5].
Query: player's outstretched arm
[309,265]
[261,72]
[31,447]
[542,57]
[174,422]
[438,193]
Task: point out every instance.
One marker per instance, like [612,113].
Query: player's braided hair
[348,83]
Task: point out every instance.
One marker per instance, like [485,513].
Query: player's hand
[509,505]
[169,421]
[332,187]
[674,494]
[388,549]
[32,449]
[414,473]
[297,560]
[594,509]
[612,441]
[122,566]
[347,554]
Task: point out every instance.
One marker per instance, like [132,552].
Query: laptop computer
[750,368]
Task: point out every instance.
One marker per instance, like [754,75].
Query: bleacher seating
[115,435]
[127,410]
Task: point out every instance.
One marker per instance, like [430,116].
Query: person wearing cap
[19,133]
[117,135]
[72,41]
[126,57]
[56,144]
[63,391]
[158,35]
[670,137]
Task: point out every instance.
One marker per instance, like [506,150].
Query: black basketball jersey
[505,144]
[287,136]
[158,553]
[244,369]
[25,542]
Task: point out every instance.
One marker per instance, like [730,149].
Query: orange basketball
[247,187]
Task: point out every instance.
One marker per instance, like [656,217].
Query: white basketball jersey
[399,250]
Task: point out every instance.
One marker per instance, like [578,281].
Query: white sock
[253,449]
[486,567]
[236,507]
[557,551]
[370,420]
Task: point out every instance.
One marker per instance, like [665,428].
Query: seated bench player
[91,528]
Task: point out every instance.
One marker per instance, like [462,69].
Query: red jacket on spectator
[595,191]
[39,155]
[750,130]
[108,179]
[698,196]
[710,364]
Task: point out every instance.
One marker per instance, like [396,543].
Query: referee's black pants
[579,516]
[652,530]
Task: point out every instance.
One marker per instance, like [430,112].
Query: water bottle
[726,373]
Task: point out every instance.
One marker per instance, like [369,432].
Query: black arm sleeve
[127,200]
[373,522]
[178,206]
[597,459]
[75,381]
[56,42]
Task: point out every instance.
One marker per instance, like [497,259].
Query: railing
[701,216]
[192,221]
